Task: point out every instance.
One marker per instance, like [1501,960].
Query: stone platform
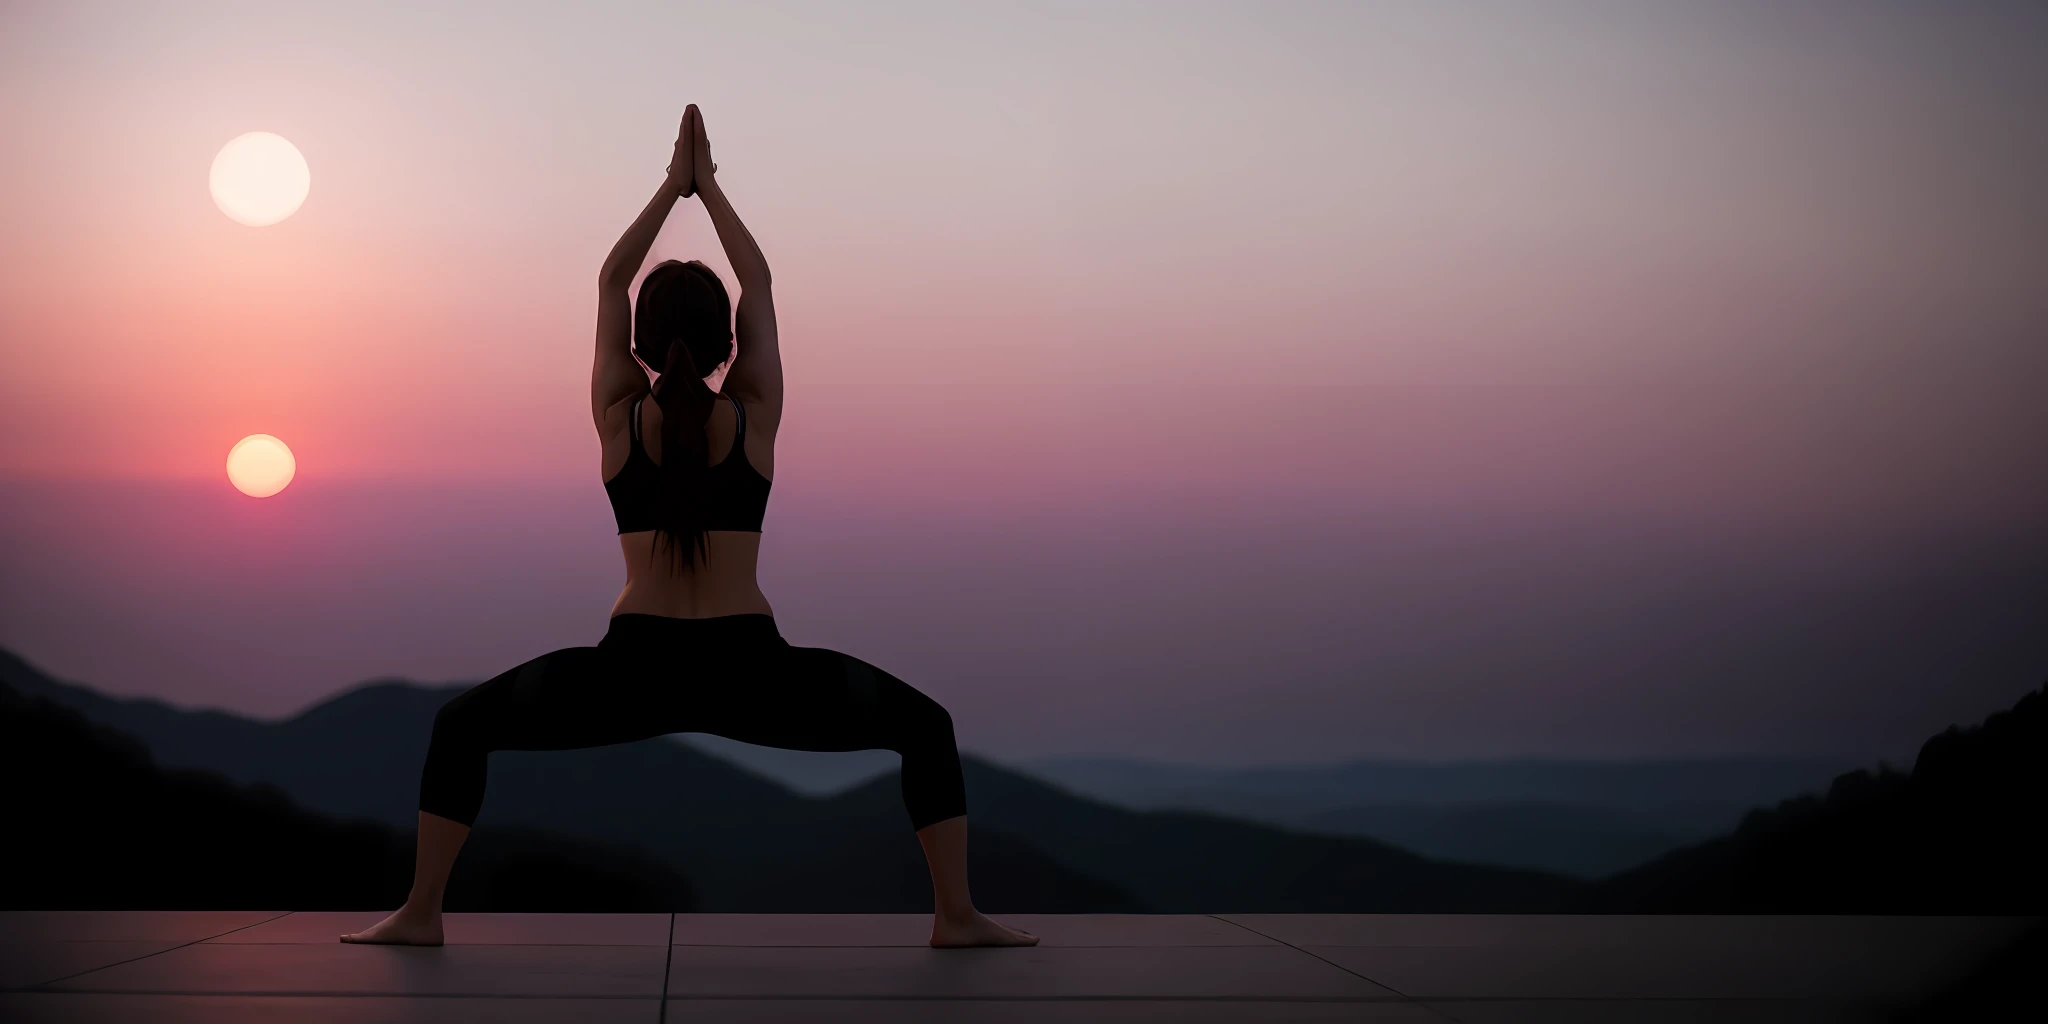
[229,967]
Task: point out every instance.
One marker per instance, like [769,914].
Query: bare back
[723,584]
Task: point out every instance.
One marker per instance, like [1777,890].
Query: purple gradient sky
[1214,382]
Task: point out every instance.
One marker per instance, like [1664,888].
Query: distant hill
[749,844]
[1961,834]
[100,827]
[1581,818]
[1665,786]
[810,772]
[1570,839]
[1191,862]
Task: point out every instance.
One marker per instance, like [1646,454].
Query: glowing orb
[260,465]
[259,178]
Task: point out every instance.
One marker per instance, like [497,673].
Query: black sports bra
[738,497]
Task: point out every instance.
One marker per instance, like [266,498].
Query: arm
[756,371]
[614,373]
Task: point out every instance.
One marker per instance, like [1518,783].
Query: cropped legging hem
[729,675]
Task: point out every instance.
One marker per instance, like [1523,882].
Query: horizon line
[1868,759]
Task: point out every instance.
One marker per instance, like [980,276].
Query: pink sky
[1741,280]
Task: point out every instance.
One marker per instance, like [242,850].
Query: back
[739,492]
[740,437]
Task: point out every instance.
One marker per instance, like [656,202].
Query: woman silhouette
[692,645]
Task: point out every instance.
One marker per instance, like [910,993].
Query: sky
[1225,383]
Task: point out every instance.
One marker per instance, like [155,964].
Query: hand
[682,161]
[701,167]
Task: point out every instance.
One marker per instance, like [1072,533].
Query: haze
[1217,382]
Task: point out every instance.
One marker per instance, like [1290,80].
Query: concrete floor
[247,966]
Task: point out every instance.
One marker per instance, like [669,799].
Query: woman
[692,645]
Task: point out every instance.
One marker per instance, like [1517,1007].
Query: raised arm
[614,373]
[756,371]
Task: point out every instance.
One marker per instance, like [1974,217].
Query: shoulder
[762,416]
[619,414]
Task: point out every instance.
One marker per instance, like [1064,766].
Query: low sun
[260,465]
[259,178]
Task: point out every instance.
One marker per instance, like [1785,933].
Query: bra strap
[740,430]
[633,421]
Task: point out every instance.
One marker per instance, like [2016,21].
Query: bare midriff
[723,584]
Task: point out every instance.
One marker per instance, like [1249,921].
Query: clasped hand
[690,166]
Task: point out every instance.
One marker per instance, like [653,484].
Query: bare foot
[978,931]
[403,928]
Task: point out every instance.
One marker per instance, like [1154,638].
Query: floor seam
[465,945]
[668,964]
[956,997]
[731,997]
[160,952]
[1405,996]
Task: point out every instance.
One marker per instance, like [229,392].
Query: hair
[682,329]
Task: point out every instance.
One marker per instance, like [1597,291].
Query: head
[683,319]
[682,329]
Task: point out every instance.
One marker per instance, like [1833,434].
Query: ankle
[957,916]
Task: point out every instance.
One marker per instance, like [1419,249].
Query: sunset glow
[259,178]
[1193,381]
[260,465]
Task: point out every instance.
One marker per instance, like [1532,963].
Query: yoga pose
[692,645]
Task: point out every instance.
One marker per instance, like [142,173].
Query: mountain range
[1956,834]
[747,843]
[1587,819]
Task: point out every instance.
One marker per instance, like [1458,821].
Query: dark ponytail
[683,324]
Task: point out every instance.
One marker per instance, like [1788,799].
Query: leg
[956,923]
[810,698]
[418,922]
[577,697]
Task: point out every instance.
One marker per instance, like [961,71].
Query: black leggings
[729,675]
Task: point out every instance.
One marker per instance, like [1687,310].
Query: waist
[723,585]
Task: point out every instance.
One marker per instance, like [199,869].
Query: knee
[926,720]
[456,725]
[938,719]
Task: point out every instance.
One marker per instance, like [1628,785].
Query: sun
[260,465]
[259,178]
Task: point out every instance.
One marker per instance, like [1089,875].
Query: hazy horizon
[826,772]
[1324,663]
[1189,381]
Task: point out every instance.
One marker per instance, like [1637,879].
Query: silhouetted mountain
[810,772]
[1687,792]
[1187,862]
[101,827]
[1570,839]
[749,844]
[1583,818]
[1960,835]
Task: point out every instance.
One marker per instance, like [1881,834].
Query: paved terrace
[232,966]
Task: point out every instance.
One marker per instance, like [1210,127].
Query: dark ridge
[1960,834]
[1188,862]
[749,844]
[100,826]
